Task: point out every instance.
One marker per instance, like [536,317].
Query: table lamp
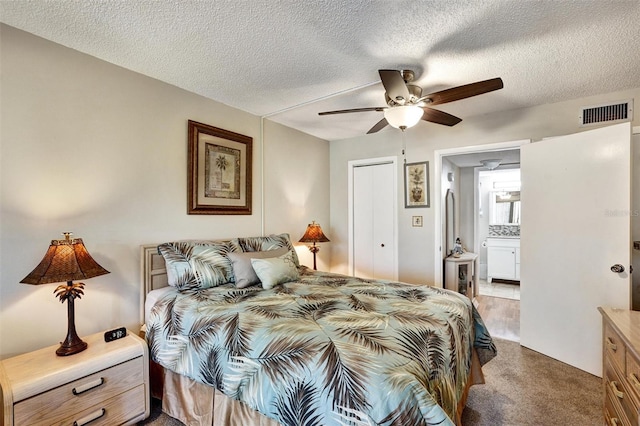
[314,235]
[67,260]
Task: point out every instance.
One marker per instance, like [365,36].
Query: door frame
[373,162]
[438,196]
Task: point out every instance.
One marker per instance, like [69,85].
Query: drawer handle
[614,421]
[614,388]
[88,386]
[634,380]
[91,417]
[611,345]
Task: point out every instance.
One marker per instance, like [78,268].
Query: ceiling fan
[407,105]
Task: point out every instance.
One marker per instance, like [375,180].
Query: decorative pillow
[270,242]
[242,269]
[275,270]
[197,264]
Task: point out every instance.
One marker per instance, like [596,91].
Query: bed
[317,349]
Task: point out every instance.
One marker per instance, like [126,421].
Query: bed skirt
[196,404]
[200,405]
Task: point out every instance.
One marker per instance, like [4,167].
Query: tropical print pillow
[270,242]
[197,264]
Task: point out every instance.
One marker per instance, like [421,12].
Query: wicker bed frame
[192,402]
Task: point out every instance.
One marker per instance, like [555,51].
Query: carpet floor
[524,388]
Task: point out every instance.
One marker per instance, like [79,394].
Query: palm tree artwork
[221,166]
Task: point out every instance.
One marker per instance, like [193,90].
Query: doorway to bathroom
[486,184]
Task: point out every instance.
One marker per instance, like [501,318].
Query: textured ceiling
[289,60]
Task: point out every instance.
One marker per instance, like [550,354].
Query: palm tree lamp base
[72,343]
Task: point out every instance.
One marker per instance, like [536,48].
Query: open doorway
[487,223]
[488,217]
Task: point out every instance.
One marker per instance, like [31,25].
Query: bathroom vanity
[503,258]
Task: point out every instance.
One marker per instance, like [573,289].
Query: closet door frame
[373,162]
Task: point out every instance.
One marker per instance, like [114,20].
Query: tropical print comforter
[327,349]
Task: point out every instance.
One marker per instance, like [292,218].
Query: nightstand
[461,274]
[106,384]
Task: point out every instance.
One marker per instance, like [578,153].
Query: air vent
[608,113]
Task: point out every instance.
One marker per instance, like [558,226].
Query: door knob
[382,245]
[617,268]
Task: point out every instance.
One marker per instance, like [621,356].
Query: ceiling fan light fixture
[403,117]
[491,164]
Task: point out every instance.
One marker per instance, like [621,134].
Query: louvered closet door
[374,227]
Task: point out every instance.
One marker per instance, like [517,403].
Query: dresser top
[627,324]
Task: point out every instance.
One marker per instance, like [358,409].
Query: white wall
[417,244]
[89,147]
[467,211]
[454,186]
[297,185]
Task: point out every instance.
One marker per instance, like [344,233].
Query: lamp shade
[403,117]
[314,234]
[65,260]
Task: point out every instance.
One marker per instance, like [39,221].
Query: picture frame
[219,171]
[416,184]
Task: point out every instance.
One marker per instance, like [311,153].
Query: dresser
[106,384]
[461,274]
[621,366]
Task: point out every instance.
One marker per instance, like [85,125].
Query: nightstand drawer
[116,411]
[80,395]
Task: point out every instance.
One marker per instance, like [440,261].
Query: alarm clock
[112,335]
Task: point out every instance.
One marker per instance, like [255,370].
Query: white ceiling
[288,59]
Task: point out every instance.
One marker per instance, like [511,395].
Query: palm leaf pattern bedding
[327,349]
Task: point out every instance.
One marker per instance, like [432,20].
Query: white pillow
[275,270]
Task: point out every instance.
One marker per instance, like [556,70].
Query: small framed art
[416,184]
[220,163]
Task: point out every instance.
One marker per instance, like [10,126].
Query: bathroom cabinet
[503,258]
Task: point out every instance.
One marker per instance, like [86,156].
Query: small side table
[106,384]
[461,274]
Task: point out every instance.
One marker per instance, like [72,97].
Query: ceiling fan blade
[379,126]
[440,117]
[344,111]
[466,91]
[394,85]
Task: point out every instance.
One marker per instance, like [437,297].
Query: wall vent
[608,113]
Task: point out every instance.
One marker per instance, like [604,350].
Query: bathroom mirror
[450,221]
[505,208]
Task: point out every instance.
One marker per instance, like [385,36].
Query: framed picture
[416,184]
[220,163]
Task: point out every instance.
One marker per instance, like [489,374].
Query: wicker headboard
[154,273]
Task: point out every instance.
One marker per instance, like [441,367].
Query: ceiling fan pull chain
[404,148]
